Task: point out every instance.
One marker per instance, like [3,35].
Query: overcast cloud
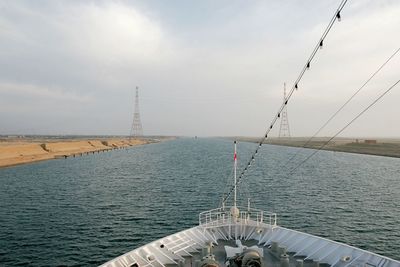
[207,68]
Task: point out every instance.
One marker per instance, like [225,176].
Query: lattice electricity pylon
[284,130]
[136,129]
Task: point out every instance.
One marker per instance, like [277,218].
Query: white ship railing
[248,216]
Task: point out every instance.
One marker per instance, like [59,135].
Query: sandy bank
[15,152]
[379,147]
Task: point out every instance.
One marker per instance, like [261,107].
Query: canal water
[87,210]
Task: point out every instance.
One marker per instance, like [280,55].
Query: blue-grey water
[84,211]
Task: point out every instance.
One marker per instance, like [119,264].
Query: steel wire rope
[319,45]
[347,125]
[245,192]
[342,107]
[227,185]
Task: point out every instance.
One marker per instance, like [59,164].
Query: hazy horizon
[195,136]
[203,68]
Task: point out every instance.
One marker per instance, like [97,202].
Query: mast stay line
[336,16]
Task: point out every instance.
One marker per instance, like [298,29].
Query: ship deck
[216,227]
[269,258]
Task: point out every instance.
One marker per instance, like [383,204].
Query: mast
[234,175]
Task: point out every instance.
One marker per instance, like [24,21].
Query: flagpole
[234,175]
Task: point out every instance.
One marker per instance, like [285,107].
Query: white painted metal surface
[217,225]
[223,216]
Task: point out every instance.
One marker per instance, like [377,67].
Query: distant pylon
[136,129]
[284,130]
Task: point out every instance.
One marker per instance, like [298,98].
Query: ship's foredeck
[269,258]
[186,248]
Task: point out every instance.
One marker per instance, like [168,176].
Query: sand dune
[21,151]
[98,144]
[70,148]
[24,151]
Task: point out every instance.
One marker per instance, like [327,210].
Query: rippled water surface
[87,210]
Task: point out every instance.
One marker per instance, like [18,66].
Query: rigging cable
[336,16]
[227,185]
[347,125]
[340,109]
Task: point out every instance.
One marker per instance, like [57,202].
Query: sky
[205,68]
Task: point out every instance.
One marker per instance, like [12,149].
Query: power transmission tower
[284,130]
[136,129]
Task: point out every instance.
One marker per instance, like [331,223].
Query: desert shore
[17,150]
[388,147]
